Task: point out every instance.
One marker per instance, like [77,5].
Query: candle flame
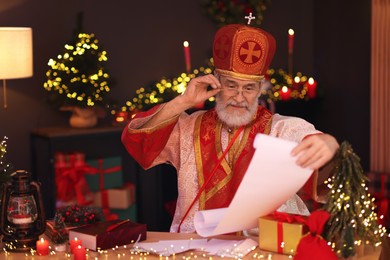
[42,240]
[297,79]
[284,89]
[311,81]
[291,31]
[186,44]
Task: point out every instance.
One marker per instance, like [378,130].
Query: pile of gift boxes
[97,182]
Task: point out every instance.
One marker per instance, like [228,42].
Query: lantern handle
[3,210]
[41,222]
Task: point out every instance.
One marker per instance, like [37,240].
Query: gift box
[105,173]
[379,187]
[120,198]
[281,232]
[71,186]
[129,213]
[109,234]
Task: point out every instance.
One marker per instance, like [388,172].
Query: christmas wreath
[234,11]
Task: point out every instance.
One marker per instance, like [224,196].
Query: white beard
[235,118]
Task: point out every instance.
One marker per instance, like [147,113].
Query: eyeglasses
[234,90]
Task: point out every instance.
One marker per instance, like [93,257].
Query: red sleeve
[144,145]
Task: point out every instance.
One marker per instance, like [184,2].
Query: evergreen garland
[234,11]
[353,219]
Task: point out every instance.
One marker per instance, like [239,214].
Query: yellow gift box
[281,234]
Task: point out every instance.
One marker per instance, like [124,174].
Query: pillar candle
[285,93]
[290,51]
[42,247]
[187,56]
[290,41]
[311,88]
[79,253]
[75,243]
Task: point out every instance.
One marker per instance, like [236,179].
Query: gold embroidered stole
[208,149]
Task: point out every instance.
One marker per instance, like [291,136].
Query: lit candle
[79,253]
[42,247]
[75,243]
[187,56]
[311,88]
[290,41]
[285,93]
[290,51]
[121,117]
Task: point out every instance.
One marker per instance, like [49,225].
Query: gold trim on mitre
[239,75]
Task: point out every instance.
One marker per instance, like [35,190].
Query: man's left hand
[315,151]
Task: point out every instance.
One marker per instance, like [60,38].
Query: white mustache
[237,104]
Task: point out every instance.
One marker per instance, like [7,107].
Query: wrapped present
[120,198]
[379,187]
[105,173]
[129,213]
[109,234]
[71,186]
[281,232]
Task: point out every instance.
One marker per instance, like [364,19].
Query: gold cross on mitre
[250,18]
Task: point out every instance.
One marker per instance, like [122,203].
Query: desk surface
[124,252]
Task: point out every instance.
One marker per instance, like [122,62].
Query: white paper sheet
[271,179]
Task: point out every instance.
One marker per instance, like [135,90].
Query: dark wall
[144,43]
[342,39]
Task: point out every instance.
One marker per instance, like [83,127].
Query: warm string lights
[160,92]
[353,220]
[133,251]
[282,88]
[78,76]
[4,166]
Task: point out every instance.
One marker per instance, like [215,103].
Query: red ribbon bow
[104,193]
[70,181]
[285,217]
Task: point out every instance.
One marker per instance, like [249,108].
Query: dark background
[144,39]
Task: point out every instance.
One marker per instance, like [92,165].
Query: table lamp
[16,58]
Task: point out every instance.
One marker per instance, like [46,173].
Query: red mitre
[242,51]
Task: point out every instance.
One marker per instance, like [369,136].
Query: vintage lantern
[22,218]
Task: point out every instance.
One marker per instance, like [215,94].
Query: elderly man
[211,150]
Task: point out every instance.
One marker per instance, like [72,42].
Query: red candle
[311,88]
[75,243]
[121,117]
[285,93]
[42,247]
[187,56]
[290,41]
[79,253]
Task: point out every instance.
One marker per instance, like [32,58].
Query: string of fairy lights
[283,88]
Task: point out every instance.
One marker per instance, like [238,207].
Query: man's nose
[239,96]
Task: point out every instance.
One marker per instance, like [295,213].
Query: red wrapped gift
[71,185]
[379,187]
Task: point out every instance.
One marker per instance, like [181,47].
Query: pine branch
[351,207]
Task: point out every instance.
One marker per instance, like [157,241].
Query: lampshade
[16,58]
[16,52]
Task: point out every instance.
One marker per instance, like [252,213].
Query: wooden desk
[124,252]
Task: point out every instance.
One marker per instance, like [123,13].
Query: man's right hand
[198,90]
